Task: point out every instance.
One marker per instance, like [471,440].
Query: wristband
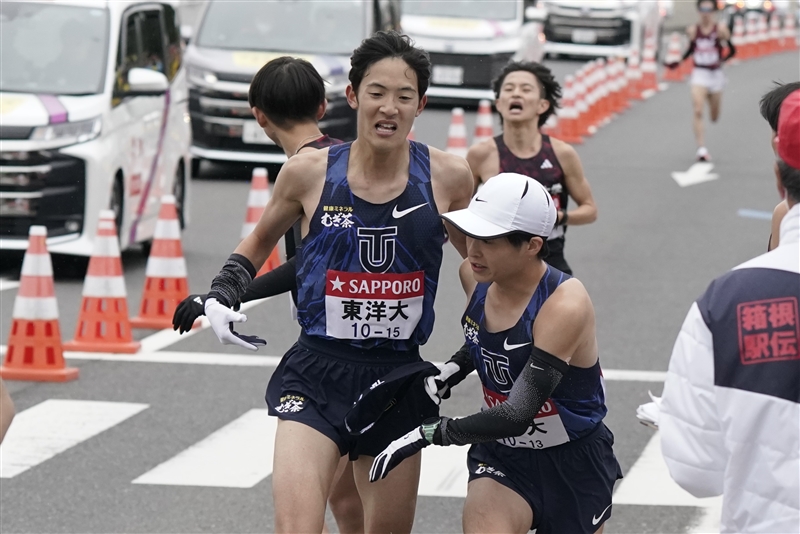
[564,219]
[232,281]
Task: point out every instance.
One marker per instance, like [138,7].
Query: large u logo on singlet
[497,366]
[376,248]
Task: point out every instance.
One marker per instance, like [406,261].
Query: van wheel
[196,167]
[117,203]
[179,191]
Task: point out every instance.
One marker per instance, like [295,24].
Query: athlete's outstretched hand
[222,319]
[438,386]
[187,312]
[399,450]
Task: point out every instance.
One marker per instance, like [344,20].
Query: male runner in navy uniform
[541,457]
[526,96]
[367,275]
[287,97]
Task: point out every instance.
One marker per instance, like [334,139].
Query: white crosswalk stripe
[238,455]
[50,428]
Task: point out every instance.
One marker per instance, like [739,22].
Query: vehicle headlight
[201,76]
[69,132]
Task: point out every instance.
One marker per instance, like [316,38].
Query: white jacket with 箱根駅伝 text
[730,411]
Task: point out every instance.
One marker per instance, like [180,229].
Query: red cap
[789,130]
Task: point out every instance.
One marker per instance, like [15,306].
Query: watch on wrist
[564,219]
[429,427]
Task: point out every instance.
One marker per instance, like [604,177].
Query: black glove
[187,312]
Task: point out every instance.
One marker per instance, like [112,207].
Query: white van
[93,115]
[470,41]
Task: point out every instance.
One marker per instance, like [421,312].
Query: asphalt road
[653,250]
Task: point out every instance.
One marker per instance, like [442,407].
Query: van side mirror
[146,82]
[535,14]
[186,33]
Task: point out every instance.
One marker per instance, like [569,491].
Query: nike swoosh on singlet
[596,520]
[402,213]
[512,347]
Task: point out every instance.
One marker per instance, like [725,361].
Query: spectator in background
[731,403]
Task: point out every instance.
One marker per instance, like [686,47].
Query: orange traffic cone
[484,129]
[604,102]
[649,69]
[568,114]
[762,49]
[103,324]
[738,38]
[34,346]
[165,283]
[750,38]
[592,96]
[256,202]
[581,102]
[620,90]
[789,33]
[634,75]
[457,134]
[674,54]
[775,35]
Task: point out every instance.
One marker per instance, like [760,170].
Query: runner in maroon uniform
[707,81]
[289,116]
[526,95]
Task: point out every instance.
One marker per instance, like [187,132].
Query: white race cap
[505,204]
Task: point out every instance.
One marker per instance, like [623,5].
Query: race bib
[368,305]
[547,429]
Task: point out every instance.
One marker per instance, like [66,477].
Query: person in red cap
[731,403]
[541,456]
[770,107]
[707,40]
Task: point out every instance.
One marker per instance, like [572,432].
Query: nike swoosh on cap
[402,213]
[512,347]
[596,520]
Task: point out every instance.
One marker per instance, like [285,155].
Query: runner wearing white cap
[541,456]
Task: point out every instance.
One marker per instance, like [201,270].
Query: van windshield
[292,26]
[465,9]
[53,49]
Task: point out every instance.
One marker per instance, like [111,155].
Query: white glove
[222,318]
[436,386]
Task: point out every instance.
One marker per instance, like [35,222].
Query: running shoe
[702,154]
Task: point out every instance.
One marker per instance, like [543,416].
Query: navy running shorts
[318,389]
[568,487]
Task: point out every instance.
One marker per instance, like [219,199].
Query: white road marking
[444,472]
[755,214]
[238,455]
[648,483]
[709,522]
[630,375]
[8,284]
[50,428]
[698,173]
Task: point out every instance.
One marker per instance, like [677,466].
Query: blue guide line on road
[755,214]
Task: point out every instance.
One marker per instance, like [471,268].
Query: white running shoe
[702,154]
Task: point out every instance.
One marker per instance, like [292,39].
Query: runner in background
[707,39]
[527,94]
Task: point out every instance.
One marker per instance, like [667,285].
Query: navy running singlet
[707,49]
[577,404]
[543,167]
[367,273]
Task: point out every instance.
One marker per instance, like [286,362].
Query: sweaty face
[387,102]
[521,98]
[495,260]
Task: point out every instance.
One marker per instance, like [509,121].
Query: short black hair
[287,90]
[517,239]
[716,6]
[790,180]
[548,86]
[390,44]
[770,105]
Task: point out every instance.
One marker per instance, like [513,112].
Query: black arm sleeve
[465,364]
[731,51]
[232,281]
[276,282]
[513,417]
[689,52]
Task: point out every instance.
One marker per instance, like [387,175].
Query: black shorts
[568,487]
[556,255]
[318,389]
